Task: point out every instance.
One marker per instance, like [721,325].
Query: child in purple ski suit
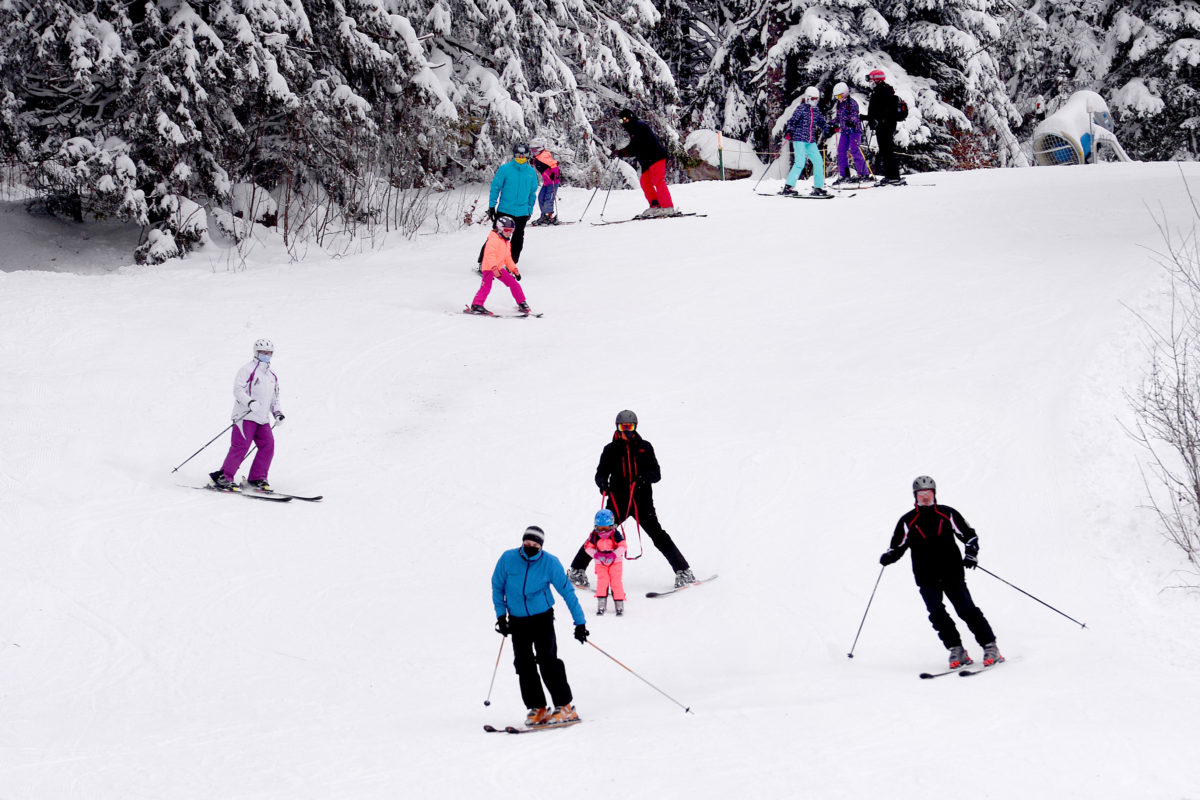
[847,121]
[255,405]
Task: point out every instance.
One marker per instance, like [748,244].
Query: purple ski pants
[244,434]
[849,141]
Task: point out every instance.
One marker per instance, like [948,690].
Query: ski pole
[643,680]
[605,206]
[766,169]
[589,203]
[210,441]
[1027,594]
[495,669]
[864,619]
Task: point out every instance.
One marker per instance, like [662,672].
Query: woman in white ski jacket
[255,406]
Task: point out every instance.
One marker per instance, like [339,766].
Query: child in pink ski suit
[497,263]
[606,545]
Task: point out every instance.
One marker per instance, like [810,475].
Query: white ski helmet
[811,95]
[924,482]
[840,89]
[263,345]
[537,144]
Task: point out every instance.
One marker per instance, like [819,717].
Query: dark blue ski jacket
[806,125]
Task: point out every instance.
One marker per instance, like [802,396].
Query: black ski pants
[536,650]
[955,590]
[517,241]
[642,509]
[885,140]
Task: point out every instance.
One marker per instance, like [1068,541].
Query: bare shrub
[1167,403]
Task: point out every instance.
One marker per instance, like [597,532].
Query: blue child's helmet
[604,518]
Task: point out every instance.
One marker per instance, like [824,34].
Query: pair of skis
[644,219]
[962,672]
[672,590]
[531,729]
[800,196]
[255,494]
[518,315]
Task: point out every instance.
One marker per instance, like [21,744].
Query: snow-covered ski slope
[795,366]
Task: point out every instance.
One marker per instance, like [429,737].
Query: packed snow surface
[795,365]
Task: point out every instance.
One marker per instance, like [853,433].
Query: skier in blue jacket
[805,129]
[513,193]
[525,608]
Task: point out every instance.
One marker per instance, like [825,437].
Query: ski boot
[478,309]
[260,485]
[578,578]
[564,713]
[818,192]
[523,308]
[537,716]
[991,654]
[683,577]
[790,191]
[620,605]
[959,657]
[601,606]
[221,482]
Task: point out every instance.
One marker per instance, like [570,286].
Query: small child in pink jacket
[607,546]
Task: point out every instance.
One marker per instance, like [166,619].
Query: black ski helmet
[924,482]
[520,150]
[627,417]
[626,115]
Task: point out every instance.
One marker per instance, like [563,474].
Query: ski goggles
[627,427]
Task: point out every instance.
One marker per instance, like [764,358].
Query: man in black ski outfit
[626,471]
[881,116]
[652,158]
[928,531]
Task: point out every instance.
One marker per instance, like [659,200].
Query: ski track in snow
[794,364]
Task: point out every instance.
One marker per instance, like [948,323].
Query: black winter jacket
[626,462]
[643,144]
[881,110]
[928,533]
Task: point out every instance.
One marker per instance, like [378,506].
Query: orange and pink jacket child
[606,545]
[498,264]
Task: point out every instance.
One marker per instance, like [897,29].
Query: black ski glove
[970,561]
[890,557]
[502,626]
[491,212]
[581,633]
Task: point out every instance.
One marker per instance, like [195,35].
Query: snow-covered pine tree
[1153,85]
[1051,49]
[710,46]
[552,68]
[66,74]
[951,50]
